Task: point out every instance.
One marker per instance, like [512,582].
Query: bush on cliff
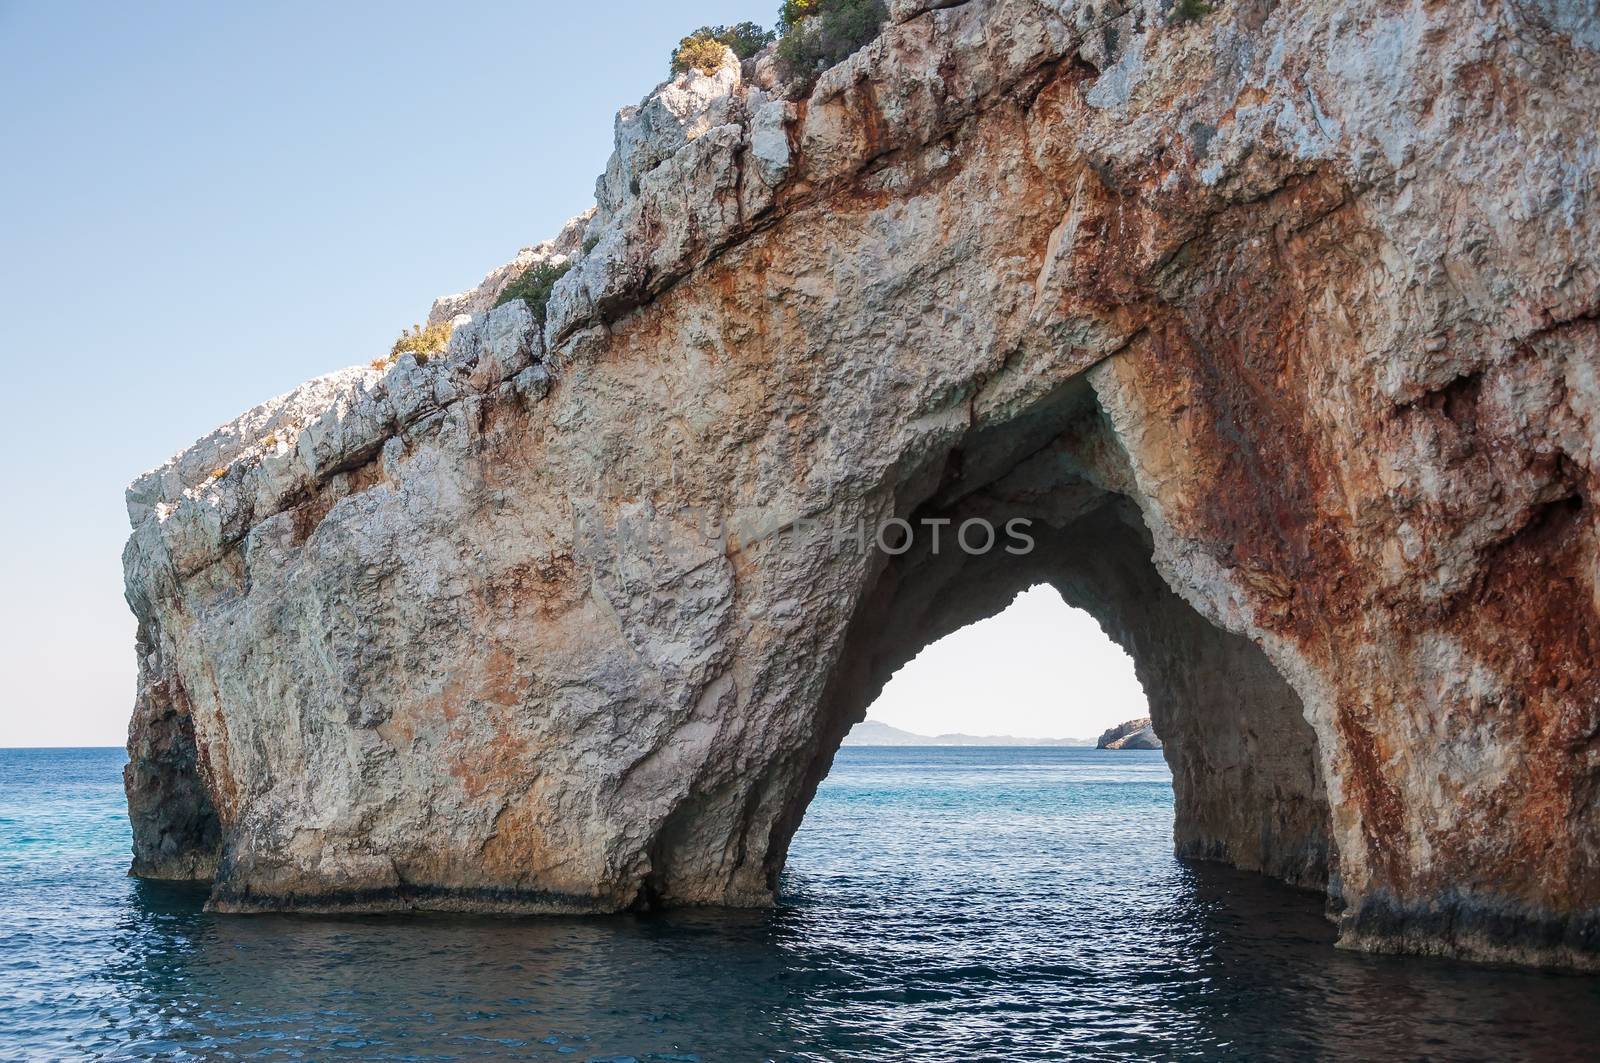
[698,53]
[816,34]
[702,49]
[534,288]
[422,343]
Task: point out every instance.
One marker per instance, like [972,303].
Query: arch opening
[1039,671]
[1247,780]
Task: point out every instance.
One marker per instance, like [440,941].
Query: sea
[939,904]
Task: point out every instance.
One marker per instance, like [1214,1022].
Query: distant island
[1135,734]
[873,733]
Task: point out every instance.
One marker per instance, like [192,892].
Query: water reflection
[938,907]
[1224,963]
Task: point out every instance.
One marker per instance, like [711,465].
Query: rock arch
[469,634]
[1246,773]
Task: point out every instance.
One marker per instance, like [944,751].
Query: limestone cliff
[1280,326]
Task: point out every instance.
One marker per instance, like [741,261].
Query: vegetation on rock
[1190,10]
[816,34]
[702,49]
[534,287]
[812,35]
[420,342]
[698,53]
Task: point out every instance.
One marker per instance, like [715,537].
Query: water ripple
[939,905]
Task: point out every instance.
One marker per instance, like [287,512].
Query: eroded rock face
[1280,326]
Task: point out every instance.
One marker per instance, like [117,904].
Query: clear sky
[202,205]
[1037,670]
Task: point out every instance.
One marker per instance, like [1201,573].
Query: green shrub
[534,288]
[1190,10]
[422,343]
[793,11]
[745,38]
[700,49]
[698,53]
[819,33]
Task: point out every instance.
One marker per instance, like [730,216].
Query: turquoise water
[940,904]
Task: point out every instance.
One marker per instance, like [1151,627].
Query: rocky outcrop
[1279,326]
[1135,734]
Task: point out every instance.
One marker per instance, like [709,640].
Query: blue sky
[206,204]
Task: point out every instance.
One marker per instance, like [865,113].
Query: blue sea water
[940,904]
